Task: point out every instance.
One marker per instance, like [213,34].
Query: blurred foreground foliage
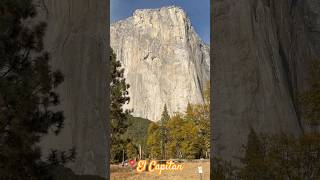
[282,156]
[275,157]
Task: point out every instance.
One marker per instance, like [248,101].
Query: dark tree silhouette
[27,93]
[118,116]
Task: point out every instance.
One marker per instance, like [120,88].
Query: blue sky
[197,10]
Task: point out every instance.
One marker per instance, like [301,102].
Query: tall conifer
[119,96]
[27,94]
[163,131]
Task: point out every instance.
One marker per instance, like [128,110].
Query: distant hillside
[138,130]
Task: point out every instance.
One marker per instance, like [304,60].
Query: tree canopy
[183,135]
[27,94]
[119,96]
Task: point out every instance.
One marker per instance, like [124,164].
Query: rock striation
[165,61]
[263,50]
[76,40]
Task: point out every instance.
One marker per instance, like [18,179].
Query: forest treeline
[281,156]
[183,135]
[274,157]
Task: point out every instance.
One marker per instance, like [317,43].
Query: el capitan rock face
[262,51]
[77,41]
[165,61]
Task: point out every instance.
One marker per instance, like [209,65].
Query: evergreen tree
[118,116]
[137,132]
[27,94]
[165,115]
[163,131]
[254,159]
[153,141]
[293,158]
[276,157]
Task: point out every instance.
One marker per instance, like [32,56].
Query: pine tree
[118,116]
[27,93]
[165,115]
[254,160]
[153,141]
[163,131]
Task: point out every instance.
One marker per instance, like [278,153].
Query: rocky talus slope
[164,59]
[262,53]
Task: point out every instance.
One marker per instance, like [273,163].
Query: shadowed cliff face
[262,53]
[312,21]
[165,61]
[77,41]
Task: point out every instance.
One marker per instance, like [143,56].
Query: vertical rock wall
[262,53]
[76,38]
[165,61]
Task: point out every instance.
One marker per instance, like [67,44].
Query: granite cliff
[165,61]
[76,40]
[262,52]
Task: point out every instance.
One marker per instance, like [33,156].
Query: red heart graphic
[132,162]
